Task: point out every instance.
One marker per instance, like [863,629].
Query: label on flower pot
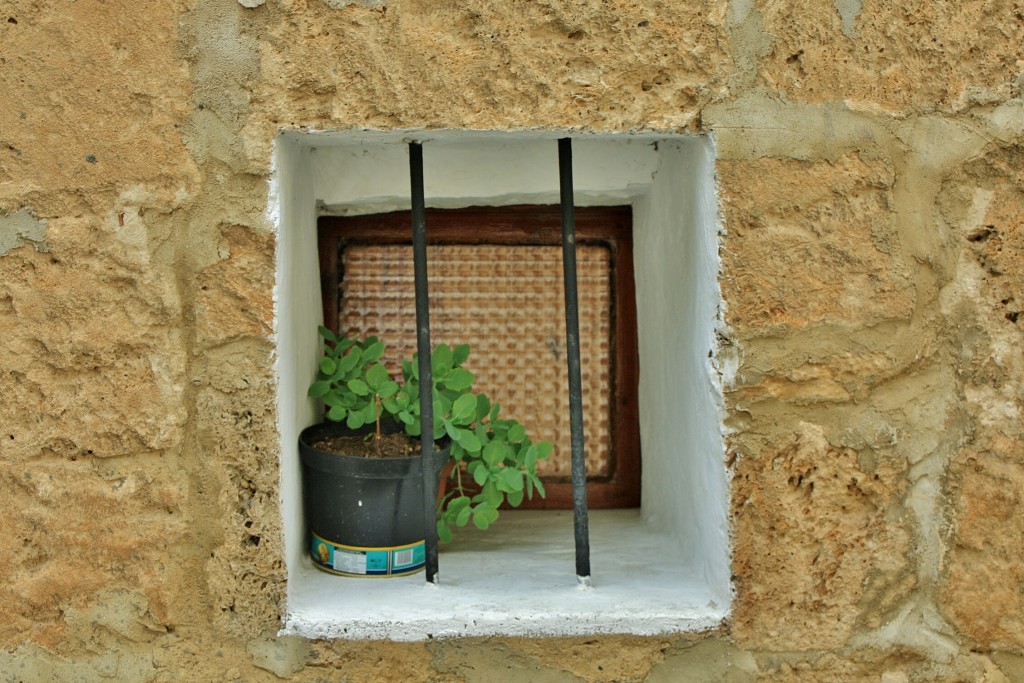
[354,561]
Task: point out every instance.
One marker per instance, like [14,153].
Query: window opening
[661,568]
[496,284]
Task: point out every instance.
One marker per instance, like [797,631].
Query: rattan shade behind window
[506,301]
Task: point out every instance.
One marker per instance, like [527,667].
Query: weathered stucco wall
[869,170]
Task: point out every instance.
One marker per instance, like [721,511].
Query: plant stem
[377,411]
[377,438]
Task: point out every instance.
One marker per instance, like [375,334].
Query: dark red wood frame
[611,227]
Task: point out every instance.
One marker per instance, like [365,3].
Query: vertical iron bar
[572,339]
[419,252]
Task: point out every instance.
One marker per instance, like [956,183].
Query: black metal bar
[572,339]
[419,251]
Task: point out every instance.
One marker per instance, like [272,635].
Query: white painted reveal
[669,180]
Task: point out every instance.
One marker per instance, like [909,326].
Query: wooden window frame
[527,225]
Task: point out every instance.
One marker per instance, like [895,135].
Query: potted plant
[362,466]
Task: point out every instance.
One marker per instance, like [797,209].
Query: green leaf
[464,407]
[457,453]
[495,409]
[480,474]
[444,533]
[376,376]
[388,389]
[318,389]
[349,361]
[539,486]
[373,352]
[358,387]
[516,433]
[441,361]
[336,414]
[327,334]
[328,366]
[515,498]
[481,433]
[484,515]
[494,453]
[491,495]
[405,417]
[501,484]
[512,479]
[460,354]
[481,517]
[530,460]
[457,504]
[453,431]
[463,516]
[355,420]
[470,442]
[544,449]
[442,406]
[459,379]
[370,413]
[483,406]
[524,447]
[402,398]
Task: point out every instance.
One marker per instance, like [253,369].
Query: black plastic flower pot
[364,515]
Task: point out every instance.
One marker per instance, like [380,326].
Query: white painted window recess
[663,568]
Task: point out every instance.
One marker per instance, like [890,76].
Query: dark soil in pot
[397,445]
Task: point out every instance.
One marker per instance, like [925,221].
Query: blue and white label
[354,561]
[409,558]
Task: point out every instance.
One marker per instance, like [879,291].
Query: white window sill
[517,579]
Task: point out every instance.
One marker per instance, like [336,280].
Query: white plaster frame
[669,181]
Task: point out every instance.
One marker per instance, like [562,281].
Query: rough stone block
[708,661]
[282,656]
[480,661]
[816,539]
[810,243]
[76,529]
[598,658]
[895,58]
[92,347]
[236,428]
[490,66]
[983,584]
[111,94]
[235,298]
[985,575]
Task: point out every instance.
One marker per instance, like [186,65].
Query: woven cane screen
[506,301]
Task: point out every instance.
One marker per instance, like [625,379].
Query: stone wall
[870,158]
